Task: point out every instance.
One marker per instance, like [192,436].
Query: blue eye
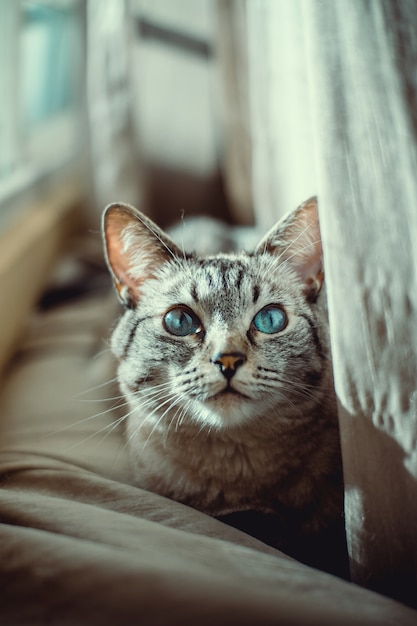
[181,322]
[270,320]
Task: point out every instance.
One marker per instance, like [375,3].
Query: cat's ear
[296,241]
[135,248]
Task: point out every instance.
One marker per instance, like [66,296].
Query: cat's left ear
[296,241]
[135,249]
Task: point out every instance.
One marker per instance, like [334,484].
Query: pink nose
[229,363]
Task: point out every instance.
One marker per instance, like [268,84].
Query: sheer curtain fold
[283,170]
[333,91]
[366,155]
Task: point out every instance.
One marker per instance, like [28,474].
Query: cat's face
[220,340]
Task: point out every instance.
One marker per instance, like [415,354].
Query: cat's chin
[225,410]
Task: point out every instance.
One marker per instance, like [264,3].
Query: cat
[225,364]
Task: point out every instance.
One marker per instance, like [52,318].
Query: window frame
[25,159]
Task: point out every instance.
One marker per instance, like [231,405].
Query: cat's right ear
[135,248]
[296,241]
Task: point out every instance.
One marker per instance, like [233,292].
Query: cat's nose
[229,363]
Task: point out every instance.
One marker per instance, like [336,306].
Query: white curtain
[333,111]
[284,169]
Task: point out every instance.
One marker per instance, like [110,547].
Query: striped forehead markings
[241,273]
[227,276]
[220,274]
[194,293]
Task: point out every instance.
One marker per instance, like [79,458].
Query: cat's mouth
[228,391]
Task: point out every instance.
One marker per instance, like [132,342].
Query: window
[41,47]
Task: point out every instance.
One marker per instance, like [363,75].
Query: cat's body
[225,364]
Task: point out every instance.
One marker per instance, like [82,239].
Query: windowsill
[28,249]
[41,160]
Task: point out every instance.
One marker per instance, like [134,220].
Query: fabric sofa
[81,545]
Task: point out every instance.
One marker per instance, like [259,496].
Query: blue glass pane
[48,61]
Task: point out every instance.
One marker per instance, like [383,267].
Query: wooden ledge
[28,250]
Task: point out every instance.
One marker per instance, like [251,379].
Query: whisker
[84,420]
[158,237]
[162,386]
[102,352]
[294,383]
[100,386]
[299,236]
[182,234]
[170,406]
[143,405]
[95,400]
[111,428]
[299,251]
[97,432]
